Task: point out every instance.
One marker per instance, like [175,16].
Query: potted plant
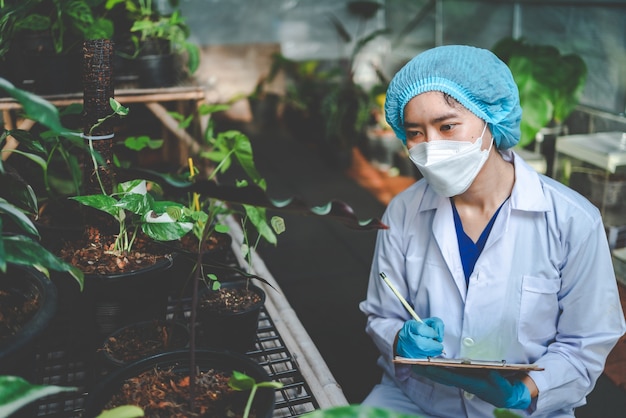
[550,86]
[142,339]
[42,41]
[212,393]
[28,296]
[163,54]
[324,101]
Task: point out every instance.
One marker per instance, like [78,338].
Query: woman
[501,263]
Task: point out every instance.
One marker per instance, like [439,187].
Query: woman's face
[431,116]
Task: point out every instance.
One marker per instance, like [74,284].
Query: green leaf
[99,201]
[169,231]
[278,224]
[356,411]
[18,217]
[138,204]
[137,186]
[241,381]
[221,228]
[256,215]
[36,107]
[504,413]
[137,143]
[117,107]
[16,392]
[124,411]
[207,109]
[24,251]
[34,158]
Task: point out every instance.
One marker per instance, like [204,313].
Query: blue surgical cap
[475,77]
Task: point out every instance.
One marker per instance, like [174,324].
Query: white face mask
[449,166]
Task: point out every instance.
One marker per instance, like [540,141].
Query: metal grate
[63,361]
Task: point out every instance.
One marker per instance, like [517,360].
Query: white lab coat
[543,291]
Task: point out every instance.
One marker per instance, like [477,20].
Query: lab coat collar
[527,194]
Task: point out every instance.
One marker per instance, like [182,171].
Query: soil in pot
[119,289]
[228,318]
[28,303]
[160,386]
[144,339]
[216,252]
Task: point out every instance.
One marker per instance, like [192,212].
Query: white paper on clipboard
[467,363]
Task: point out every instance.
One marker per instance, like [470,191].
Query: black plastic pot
[224,361]
[177,338]
[156,71]
[17,353]
[38,68]
[216,260]
[230,330]
[109,302]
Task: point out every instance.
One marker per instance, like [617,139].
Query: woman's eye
[412,133]
[445,128]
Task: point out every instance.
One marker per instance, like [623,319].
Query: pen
[399,296]
[403,300]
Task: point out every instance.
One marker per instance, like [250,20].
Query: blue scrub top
[470,250]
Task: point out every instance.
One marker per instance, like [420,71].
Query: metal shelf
[62,361]
[66,357]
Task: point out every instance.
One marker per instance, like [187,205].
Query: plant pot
[216,257]
[17,352]
[109,302]
[228,325]
[156,71]
[40,69]
[121,299]
[144,339]
[178,361]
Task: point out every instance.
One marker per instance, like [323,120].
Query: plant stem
[246,412]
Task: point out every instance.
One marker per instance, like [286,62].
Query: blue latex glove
[420,339]
[491,387]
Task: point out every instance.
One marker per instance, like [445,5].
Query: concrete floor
[322,266]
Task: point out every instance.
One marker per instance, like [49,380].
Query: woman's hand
[420,339]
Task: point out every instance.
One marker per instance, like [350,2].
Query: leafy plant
[241,381]
[550,84]
[22,247]
[362,411]
[68,22]
[148,23]
[134,208]
[16,392]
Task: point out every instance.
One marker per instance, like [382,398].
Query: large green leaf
[166,231]
[36,107]
[102,202]
[18,217]
[356,411]
[550,84]
[21,250]
[124,411]
[16,392]
[257,216]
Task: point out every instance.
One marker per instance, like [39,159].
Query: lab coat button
[468,342]
[468,396]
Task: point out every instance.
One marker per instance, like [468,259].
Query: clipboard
[467,363]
